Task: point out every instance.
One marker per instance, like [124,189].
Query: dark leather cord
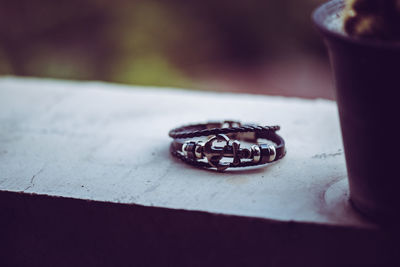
[277,139]
[199,130]
[183,133]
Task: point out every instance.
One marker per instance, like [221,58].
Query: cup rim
[334,6]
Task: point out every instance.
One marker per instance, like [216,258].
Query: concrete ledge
[86,178]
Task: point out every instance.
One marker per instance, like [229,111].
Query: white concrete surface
[108,142]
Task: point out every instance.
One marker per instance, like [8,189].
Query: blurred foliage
[148,41]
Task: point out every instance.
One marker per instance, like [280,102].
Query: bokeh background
[253,46]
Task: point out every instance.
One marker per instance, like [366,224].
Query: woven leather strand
[190,132]
[216,128]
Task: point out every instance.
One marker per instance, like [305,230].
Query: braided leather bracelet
[204,154]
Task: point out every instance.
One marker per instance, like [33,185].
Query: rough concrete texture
[107,142]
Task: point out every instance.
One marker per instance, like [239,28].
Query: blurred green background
[267,47]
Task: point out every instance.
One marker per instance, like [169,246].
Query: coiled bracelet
[223,141]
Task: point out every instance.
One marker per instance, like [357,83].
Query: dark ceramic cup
[367,81]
